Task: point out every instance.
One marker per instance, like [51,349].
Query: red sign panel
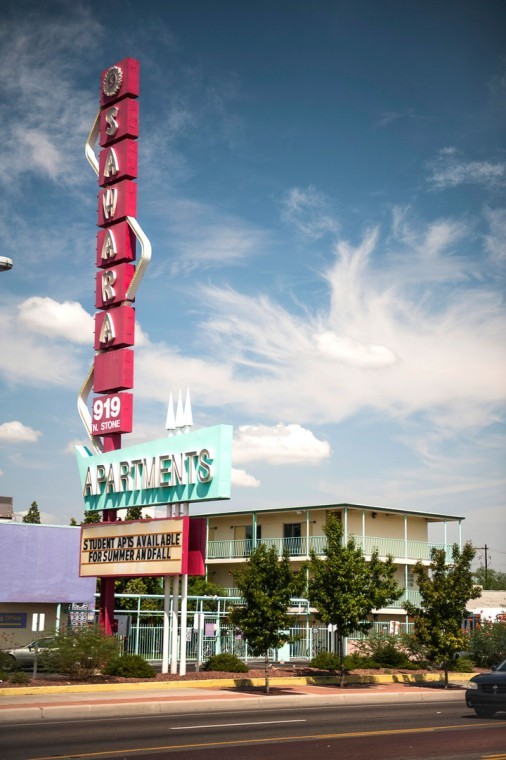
[118,161]
[112,414]
[112,285]
[115,244]
[119,80]
[115,202]
[115,328]
[114,371]
[118,121]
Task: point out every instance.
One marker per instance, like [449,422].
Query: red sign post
[115,320]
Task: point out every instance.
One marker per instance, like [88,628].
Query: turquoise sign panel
[189,467]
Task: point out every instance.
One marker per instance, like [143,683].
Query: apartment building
[406,535]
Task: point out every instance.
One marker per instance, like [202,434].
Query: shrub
[7,663]
[129,666]
[325,661]
[226,663]
[462,665]
[384,649]
[19,677]
[80,652]
[355,661]
[487,645]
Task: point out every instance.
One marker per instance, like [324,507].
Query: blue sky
[323,187]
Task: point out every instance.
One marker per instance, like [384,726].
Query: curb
[230,683]
[167,706]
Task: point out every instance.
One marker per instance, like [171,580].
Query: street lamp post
[5,263]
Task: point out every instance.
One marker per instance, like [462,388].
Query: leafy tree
[445,591]
[73,521]
[199,586]
[33,514]
[266,583]
[489,579]
[92,517]
[345,588]
[143,585]
[134,513]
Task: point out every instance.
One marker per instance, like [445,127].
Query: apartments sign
[192,467]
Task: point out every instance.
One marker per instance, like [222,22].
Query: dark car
[486,693]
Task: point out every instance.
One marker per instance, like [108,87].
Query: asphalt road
[415,731]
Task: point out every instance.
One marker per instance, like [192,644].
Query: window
[292,535]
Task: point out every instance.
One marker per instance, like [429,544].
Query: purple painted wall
[40,563]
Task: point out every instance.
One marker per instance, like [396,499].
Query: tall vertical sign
[117,130]
[117,200]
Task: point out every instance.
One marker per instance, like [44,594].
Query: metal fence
[217,637]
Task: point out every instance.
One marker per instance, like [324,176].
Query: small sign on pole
[38,623]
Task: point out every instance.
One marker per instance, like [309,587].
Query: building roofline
[430,516]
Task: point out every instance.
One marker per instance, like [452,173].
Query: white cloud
[309,212]
[352,353]
[242,479]
[37,360]
[447,170]
[67,320]
[280,444]
[16,432]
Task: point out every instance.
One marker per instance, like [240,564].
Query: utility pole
[486,550]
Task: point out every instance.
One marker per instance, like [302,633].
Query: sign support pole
[184,510]
[174,621]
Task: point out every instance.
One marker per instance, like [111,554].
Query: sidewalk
[26,705]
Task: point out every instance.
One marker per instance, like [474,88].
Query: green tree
[73,521]
[266,583]
[489,579]
[445,591]
[33,514]
[134,513]
[199,586]
[345,588]
[144,585]
[92,517]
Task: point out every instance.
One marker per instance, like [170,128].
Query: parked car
[486,692]
[23,657]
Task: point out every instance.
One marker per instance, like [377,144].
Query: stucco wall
[40,563]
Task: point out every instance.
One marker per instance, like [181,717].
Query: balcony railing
[299,547]
[408,595]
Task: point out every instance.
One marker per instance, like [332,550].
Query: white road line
[229,725]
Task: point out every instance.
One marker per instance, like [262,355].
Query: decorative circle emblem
[112,81]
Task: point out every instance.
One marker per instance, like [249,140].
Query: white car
[23,657]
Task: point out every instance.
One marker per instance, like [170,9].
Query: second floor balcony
[300,548]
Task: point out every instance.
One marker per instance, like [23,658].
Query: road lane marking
[229,725]
[266,740]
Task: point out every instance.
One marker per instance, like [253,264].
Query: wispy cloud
[44,112]
[391,117]
[204,238]
[17,432]
[309,212]
[449,170]
[495,240]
